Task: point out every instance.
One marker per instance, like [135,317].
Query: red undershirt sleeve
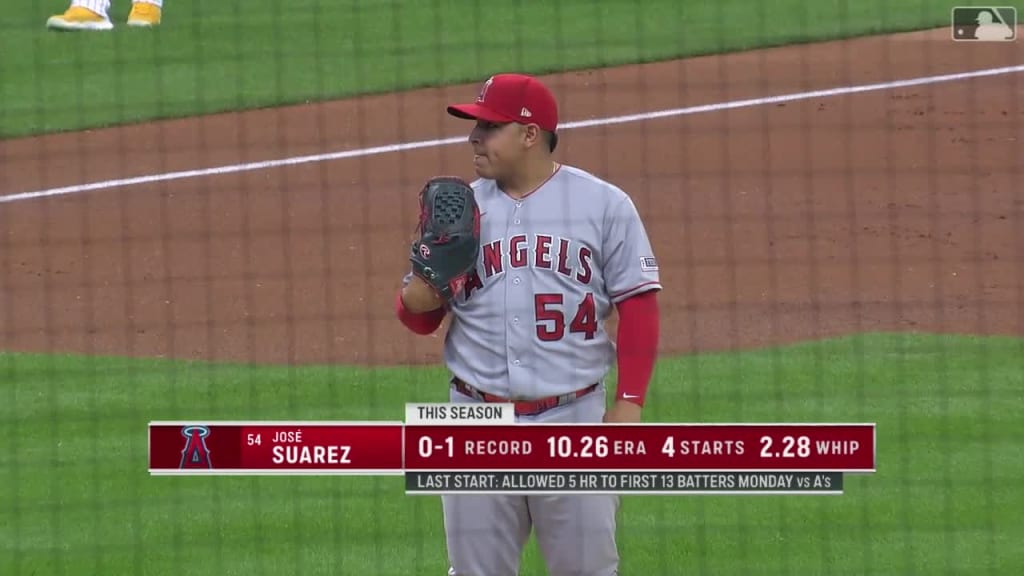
[421,323]
[637,345]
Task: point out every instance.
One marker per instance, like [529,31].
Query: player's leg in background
[100,7]
[576,533]
[485,533]
[146,13]
[83,15]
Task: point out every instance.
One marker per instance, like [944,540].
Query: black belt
[524,407]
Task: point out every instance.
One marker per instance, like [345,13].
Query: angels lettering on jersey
[576,235]
[568,258]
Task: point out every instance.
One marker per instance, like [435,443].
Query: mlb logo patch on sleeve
[648,264]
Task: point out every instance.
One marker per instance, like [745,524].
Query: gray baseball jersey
[530,321]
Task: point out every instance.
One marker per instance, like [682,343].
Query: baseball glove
[449,230]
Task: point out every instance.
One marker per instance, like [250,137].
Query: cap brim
[477,112]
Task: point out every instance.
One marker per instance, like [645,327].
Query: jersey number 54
[551,316]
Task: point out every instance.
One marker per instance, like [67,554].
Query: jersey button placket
[516,299]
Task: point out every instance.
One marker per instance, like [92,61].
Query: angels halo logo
[195,454]
[483,90]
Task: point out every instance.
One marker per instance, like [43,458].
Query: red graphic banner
[391,448]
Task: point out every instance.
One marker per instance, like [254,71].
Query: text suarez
[288,447]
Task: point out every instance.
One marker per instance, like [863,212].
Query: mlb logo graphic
[984,24]
[648,264]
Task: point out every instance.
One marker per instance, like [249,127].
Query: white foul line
[360,152]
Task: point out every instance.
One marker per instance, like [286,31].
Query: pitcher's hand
[623,412]
[420,297]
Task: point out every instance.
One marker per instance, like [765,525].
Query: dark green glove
[449,229]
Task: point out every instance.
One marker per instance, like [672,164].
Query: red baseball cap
[512,98]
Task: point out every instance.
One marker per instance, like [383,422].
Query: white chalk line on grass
[402,147]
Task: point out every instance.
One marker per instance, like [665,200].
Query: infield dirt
[898,209]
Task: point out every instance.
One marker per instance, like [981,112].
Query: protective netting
[209,219]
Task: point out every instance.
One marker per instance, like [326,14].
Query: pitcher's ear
[533,134]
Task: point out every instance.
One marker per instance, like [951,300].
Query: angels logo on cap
[512,98]
[483,89]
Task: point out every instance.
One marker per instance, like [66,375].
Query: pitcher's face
[498,148]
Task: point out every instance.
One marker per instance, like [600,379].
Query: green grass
[217,56]
[77,499]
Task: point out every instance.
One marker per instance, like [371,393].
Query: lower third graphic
[195,454]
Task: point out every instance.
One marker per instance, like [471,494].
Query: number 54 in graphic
[984,23]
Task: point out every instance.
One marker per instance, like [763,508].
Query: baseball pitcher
[529,261]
